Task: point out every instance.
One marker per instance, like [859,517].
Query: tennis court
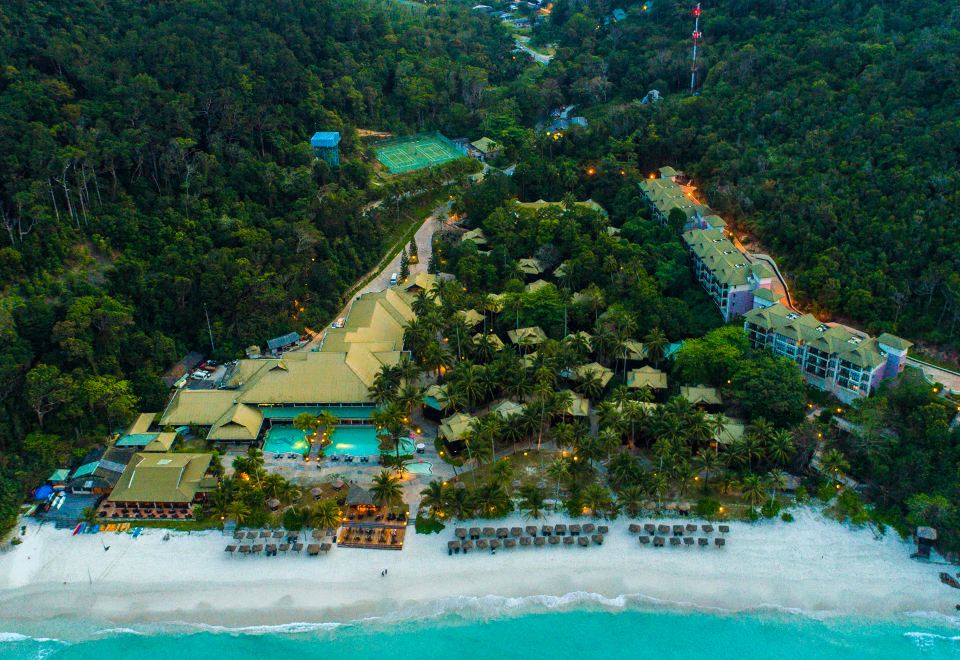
[416,152]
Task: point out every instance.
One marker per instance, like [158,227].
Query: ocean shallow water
[573,626]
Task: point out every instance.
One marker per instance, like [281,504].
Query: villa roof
[535,286]
[593,369]
[647,377]
[161,477]
[454,427]
[733,430]
[471,317]
[485,145]
[435,396]
[634,349]
[855,347]
[766,294]
[530,266]
[161,442]
[667,195]
[475,235]
[527,336]
[240,423]
[586,336]
[578,405]
[507,409]
[492,338]
[561,270]
[727,262]
[59,475]
[894,342]
[358,496]
[666,172]
[141,424]
[423,281]
[697,394]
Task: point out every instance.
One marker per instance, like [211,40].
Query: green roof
[666,171]
[486,145]
[59,475]
[84,470]
[722,258]
[854,347]
[667,195]
[136,440]
[894,342]
[527,336]
[161,477]
[766,294]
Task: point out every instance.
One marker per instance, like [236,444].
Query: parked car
[339,323]
[393,278]
[200,374]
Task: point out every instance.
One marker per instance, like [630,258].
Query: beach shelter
[531,336]
[647,377]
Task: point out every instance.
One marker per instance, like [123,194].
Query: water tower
[326,145]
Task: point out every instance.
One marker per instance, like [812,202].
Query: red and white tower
[697,35]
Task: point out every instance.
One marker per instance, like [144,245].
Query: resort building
[255,393]
[728,274]
[160,485]
[483,149]
[326,146]
[845,362]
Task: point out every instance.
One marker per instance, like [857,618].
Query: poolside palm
[326,514]
[386,489]
[532,501]
[435,497]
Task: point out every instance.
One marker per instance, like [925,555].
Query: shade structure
[466,545]
[317,534]
[271,548]
[658,542]
[231,549]
[325,547]
[689,540]
[678,529]
[559,530]
[703,542]
[650,528]
[663,529]
[589,528]
[337,484]
[453,546]
[724,529]
[719,542]
[603,529]
[525,540]
[461,533]
[645,540]
[597,538]
[316,492]
[237,534]
[575,530]
[494,544]
[634,528]
[502,532]
[707,529]
[482,544]
[554,540]
[539,541]
[674,540]
[531,530]
[516,532]
[546,530]
[264,533]
[283,547]
[251,535]
[569,540]
[313,549]
[297,547]
[474,533]
[691,527]
[510,543]
[256,549]
[583,541]
[243,549]
[489,532]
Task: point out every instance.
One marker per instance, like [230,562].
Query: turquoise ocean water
[574,633]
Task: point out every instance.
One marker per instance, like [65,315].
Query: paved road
[539,58]
[950,379]
[424,234]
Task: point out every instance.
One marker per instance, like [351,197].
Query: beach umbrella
[316,493]
[597,538]
[703,542]
[634,528]
[539,541]
[707,529]
[243,549]
[663,529]
[482,544]
[251,535]
[325,547]
[650,528]
[575,530]
[554,540]
[724,529]
[516,532]
[271,548]
[502,532]
[525,540]
[569,540]
[658,542]
[546,530]
[603,529]
[231,549]
[560,530]
[264,533]
[494,544]
[313,549]
[678,530]
[466,545]
[297,547]
[284,547]
[489,531]
[510,543]
[583,541]
[645,540]
[531,530]
[691,527]
[474,533]
[256,549]
[671,506]
[238,534]
[674,540]
[453,546]
[461,533]
[277,534]
[588,528]
[689,540]
[719,542]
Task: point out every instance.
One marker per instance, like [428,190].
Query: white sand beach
[814,565]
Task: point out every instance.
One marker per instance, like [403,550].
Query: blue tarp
[43,492]
[325,139]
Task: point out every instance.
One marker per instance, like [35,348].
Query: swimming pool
[283,439]
[420,468]
[360,441]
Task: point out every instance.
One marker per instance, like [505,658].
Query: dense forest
[827,130]
[155,166]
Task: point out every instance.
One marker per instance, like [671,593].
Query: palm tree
[590,386]
[493,500]
[719,424]
[597,498]
[435,497]
[558,470]
[753,490]
[780,448]
[532,501]
[656,344]
[834,464]
[706,463]
[631,499]
[501,472]
[461,503]
[386,489]
[239,511]
[326,514]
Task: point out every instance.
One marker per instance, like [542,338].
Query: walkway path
[539,58]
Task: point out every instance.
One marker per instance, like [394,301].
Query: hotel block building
[845,362]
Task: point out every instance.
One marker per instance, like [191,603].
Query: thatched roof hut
[560,530]
[645,540]
[531,530]
[283,547]
[466,545]
[482,544]
[707,528]
[231,549]
[313,549]
[526,540]
[271,548]
[603,529]
[597,538]
[510,543]
[516,532]
[663,529]
[702,542]
[674,540]
[502,532]
[583,541]
[589,528]
[658,542]
[724,529]
[494,544]
[678,529]
[553,540]
[546,530]
[569,540]
[461,533]
[634,528]
[650,528]
[719,542]
[538,541]
[326,547]
[689,540]
[489,532]
[575,530]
